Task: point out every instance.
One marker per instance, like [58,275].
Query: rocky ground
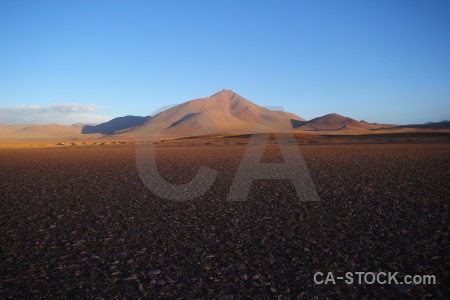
[79,223]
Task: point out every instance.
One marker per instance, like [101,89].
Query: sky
[89,61]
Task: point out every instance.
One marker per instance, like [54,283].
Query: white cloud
[66,114]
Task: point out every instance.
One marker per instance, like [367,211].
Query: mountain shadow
[115,125]
[297,123]
[186,117]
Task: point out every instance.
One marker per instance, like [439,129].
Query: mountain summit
[224,112]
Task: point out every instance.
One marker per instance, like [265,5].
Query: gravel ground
[79,223]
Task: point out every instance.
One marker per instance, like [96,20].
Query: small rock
[226,297]
[78,243]
[134,277]
[244,277]
[154,272]
[161,282]
[255,283]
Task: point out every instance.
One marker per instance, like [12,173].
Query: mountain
[115,125]
[334,122]
[1,123]
[429,125]
[224,112]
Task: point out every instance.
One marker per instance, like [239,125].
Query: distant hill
[222,113]
[333,122]
[430,125]
[1,123]
[40,132]
[115,125]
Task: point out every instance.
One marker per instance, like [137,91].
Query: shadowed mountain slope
[115,125]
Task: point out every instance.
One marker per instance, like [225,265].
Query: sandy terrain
[77,222]
[325,137]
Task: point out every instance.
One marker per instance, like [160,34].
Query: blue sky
[381,61]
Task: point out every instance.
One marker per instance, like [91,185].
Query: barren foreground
[79,223]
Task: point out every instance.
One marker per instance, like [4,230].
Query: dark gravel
[79,223]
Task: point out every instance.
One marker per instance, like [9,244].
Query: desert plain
[77,221]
